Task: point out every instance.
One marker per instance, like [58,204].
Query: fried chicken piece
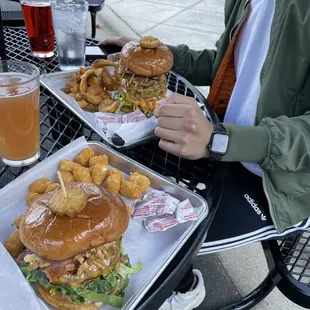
[84,156]
[75,88]
[39,186]
[81,174]
[87,75]
[100,63]
[91,98]
[66,90]
[31,197]
[99,173]
[51,187]
[73,95]
[100,159]
[13,245]
[144,181]
[111,108]
[18,220]
[114,183]
[90,108]
[67,177]
[94,90]
[126,109]
[131,189]
[82,103]
[68,165]
[82,70]
[93,81]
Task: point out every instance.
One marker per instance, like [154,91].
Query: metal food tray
[48,80]
[154,250]
[159,182]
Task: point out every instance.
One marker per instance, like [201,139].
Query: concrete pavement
[198,23]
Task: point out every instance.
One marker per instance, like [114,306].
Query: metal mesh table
[288,259]
[58,126]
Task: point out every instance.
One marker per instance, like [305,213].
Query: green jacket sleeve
[280,143]
[195,66]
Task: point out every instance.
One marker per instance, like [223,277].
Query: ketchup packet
[154,203]
[183,213]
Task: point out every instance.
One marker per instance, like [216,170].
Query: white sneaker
[189,300]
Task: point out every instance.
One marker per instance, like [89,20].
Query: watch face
[219,144]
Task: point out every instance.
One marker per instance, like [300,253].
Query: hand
[119,41]
[182,127]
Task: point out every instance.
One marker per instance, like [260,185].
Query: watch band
[218,129]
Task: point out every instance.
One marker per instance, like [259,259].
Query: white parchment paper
[152,249]
[129,132]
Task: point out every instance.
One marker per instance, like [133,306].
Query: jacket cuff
[246,143]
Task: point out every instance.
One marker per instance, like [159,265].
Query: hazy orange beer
[19,113]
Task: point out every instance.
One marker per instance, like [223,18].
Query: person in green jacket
[259,75]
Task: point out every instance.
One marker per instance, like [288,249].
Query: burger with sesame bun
[143,66]
[73,247]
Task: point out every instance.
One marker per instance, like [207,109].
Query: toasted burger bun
[61,302]
[57,238]
[146,62]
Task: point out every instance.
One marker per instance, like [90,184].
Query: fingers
[170,110]
[111,41]
[169,147]
[170,123]
[179,99]
[114,57]
[119,41]
[168,134]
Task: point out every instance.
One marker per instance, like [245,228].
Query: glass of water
[69,21]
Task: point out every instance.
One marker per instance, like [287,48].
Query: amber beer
[19,116]
[39,25]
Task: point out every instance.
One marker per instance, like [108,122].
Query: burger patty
[153,88]
[95,262]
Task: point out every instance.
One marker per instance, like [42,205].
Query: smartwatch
[218,144]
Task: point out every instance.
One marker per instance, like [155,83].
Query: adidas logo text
[255,207]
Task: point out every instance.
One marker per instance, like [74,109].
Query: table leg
[93,24]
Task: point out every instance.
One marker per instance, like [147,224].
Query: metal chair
[94,7]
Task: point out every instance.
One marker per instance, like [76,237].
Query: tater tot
[144,181]
[39,186]
[114,183]
[82,174]
[31,197]
[84,157]
[51,187]
[101,159]
[116,171]
[13,245]
[67,177]
[91,169]
[99,173]
[68,165]
[18,220]
[128,209]
[131,189]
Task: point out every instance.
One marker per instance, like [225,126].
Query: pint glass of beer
[39,25]
[19,113]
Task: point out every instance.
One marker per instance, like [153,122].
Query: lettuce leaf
[109,289]
[122,99]
[112,300]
